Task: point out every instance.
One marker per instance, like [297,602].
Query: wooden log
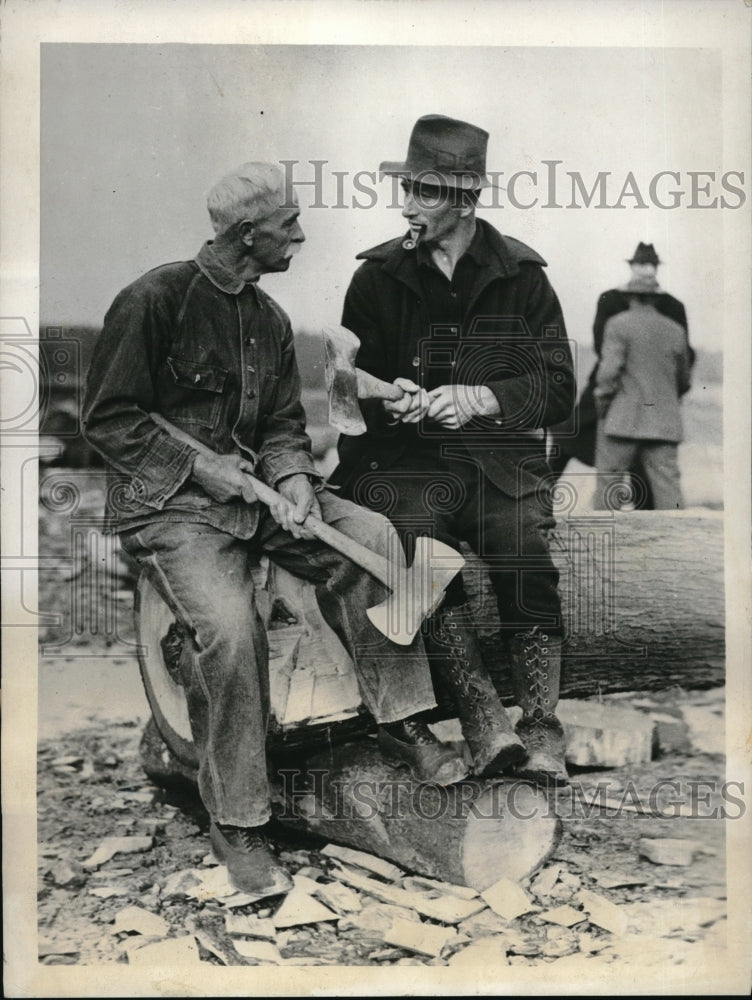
[642,599]
[473,833]
[643,605]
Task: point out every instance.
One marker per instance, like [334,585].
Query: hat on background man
[444,151]
[645,254]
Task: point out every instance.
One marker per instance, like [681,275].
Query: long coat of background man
[465,321]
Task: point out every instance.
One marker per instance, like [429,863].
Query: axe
[346,384]
[415,592]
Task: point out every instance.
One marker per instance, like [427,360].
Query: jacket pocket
[195,392]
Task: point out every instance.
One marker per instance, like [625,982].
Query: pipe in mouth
[411,242]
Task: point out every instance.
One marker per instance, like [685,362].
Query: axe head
[417,592]
[340,348]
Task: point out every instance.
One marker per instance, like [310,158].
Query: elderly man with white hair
[199,343]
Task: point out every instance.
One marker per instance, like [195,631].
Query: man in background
[643,373]
[576,438]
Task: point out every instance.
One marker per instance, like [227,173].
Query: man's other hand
[223,477]
[412,407]
[451,406]
[297,501]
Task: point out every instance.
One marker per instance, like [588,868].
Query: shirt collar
[478,250]
[219,275]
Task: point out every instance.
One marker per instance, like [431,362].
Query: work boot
[536,666]
[454,653]
[251,865]
[411,742]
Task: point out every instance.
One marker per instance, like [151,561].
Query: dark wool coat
[512,339]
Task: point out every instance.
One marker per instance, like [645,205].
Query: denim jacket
[215,356]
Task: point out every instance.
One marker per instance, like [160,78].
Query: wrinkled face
[277,238]
[643,270]
[430,211]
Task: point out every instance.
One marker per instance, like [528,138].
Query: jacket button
[374,465]
[416,362]
[251,393]
[251,369]
[249,341]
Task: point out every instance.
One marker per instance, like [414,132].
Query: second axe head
[346,384]
[340,348]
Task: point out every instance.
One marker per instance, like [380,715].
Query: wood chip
[299,908]
[603,913]
[616,880]
[376,918]
[368,861]
[544,883]
[340,898]
[305,884]
[489,951]
[420,884]
[244,925]
[564,916]
[172,951]
[425,939]
[111,846]
[668,851]
[447,909]
[181,883]
[507,898]
[108,891]
[208,940]
[134,919]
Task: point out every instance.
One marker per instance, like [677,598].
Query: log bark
[642,599]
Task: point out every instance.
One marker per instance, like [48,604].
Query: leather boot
[412,743]
[536,666]
[454,653]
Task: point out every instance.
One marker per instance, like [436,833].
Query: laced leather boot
[251,865]
[455,656]
[536,667]
[412,743]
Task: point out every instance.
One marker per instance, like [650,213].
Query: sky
[133,136]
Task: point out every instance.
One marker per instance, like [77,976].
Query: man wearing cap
[199,344]
[576,437]
[465,321]
[643,373]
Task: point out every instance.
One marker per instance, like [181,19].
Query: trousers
[659,459]
[205,576]
[453,501]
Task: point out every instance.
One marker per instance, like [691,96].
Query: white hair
[250,191]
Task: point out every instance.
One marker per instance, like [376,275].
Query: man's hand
[298,501]
[222,477]
[412,407]
[451,406]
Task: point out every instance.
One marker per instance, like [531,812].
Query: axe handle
[364,557]
[370,387]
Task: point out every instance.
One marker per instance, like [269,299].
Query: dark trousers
[453,501]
